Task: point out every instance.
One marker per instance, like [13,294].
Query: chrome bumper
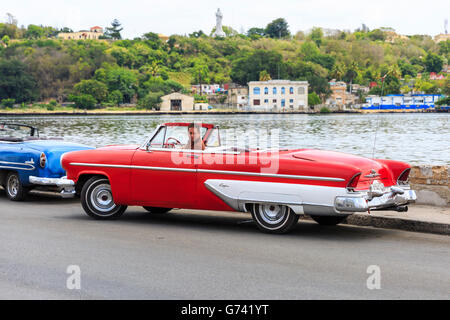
[362,202]
[66,186]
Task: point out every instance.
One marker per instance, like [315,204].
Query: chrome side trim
[28,166]
[300,197]
[270,175]
[240,173]
[131,167]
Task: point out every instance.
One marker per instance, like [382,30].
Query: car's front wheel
[15,191]
[274,218]
[328,220]
[97,200]
[157,210]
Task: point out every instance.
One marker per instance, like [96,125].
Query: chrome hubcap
[13,186]
[272,214]
[101,198]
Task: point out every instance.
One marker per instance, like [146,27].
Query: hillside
[111,72]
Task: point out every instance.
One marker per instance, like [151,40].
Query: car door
[163,177]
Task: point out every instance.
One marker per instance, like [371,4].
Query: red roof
[96,27]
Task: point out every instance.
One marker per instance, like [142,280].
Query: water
[416,138]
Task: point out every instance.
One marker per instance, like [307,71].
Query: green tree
[83,101]
[313,99]
[377,34]
[433,62]
[151,101]
[200,73]
[316,35]
[443,101]
[249,67]
[264,76]
[197,34]
[122,79]
[113,32]
[153,40]
[34,32]
[256,33]
[7,103]
[16,82]
[115,97]
[278,28]
[5,40]
[94,88]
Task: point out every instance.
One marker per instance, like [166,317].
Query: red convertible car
[170,171]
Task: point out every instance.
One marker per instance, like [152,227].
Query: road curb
[397,223]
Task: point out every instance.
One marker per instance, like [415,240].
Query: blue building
[400,101]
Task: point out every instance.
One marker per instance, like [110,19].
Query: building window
[283,90]
[256,102]
[256,90]
[283,103]
[274,100]
[301,90]
[266,100]
[291,100]
[291,90]
[266,90]
[274,90]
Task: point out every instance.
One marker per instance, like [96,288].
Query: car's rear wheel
[328,220]
[97,200]
[15,191]
[272,218]
[157,210]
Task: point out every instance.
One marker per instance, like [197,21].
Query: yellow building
[177,102]
[93,33]
[442,37]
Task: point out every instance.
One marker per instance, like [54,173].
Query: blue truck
[29,161]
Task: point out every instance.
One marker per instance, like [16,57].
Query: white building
[278,95]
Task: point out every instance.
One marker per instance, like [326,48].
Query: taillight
[353,182]
[403,177]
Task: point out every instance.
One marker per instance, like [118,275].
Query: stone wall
[432,184]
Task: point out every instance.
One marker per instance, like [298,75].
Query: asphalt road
[205,255]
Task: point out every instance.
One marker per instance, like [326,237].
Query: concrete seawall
[432,184]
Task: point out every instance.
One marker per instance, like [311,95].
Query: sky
[183,17]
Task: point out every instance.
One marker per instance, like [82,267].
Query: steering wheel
[172,145]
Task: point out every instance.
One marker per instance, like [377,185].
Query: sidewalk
[419,218]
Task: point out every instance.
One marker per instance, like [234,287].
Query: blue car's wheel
[15,191]
[97,200]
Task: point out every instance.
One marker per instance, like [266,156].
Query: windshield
[177,137]
[16,132]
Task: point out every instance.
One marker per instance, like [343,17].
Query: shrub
[443,101]
[115,98]
[313,99]
[83,101]
[8,103]
[325,110]
[151,101]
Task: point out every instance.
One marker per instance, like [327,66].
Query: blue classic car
[29,161]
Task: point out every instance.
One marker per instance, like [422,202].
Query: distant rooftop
[278,81]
